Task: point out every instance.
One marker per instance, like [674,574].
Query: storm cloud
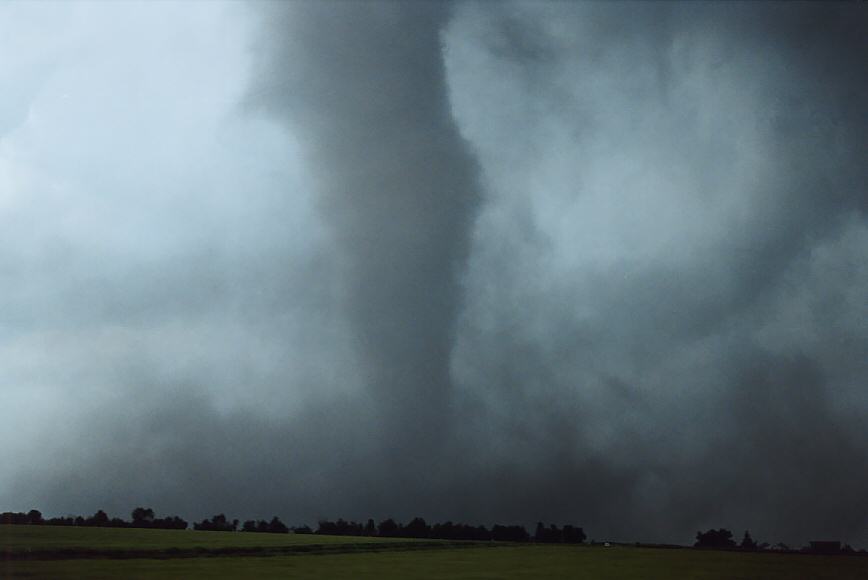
[590,263]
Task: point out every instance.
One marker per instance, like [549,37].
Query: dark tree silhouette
[31,518]
[99,519]
[142,517]
[417,528]
[388,528]
[718,539]
[13,518]
[574,535]
[340,528]
[748,543]
[275,526]
[509,534]
[480,533]
[218,523]
[444,531]
[554,535]
[171,523]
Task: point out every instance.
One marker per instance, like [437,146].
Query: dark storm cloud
[652,321]
[714,413]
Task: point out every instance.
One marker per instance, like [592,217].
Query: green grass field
[18,538]
[390,561]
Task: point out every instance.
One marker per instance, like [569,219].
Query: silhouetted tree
[340,528]
[13,518]
[388,528]
[370,528]
[748,543]
[480,533]
[550,535]
[218,523]
[142,517]
[509,534]
[417,528]
[444,531]
[718,539]
[574,535]
[99,519]
[326,527]
[170,523]
[275,526]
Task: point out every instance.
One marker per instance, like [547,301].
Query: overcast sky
[601,264]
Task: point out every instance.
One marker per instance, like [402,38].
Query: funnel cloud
[364,87]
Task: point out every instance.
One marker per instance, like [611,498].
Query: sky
[591,263]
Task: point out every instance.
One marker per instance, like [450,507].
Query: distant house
[826,547]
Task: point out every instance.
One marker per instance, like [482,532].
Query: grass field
[390,561]
[18,538]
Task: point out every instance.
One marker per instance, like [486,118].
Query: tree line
[419,528]
[140,518]
[220,523]
[389,528]
[722,539]
[143,518]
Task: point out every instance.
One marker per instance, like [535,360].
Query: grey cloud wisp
[593,263]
